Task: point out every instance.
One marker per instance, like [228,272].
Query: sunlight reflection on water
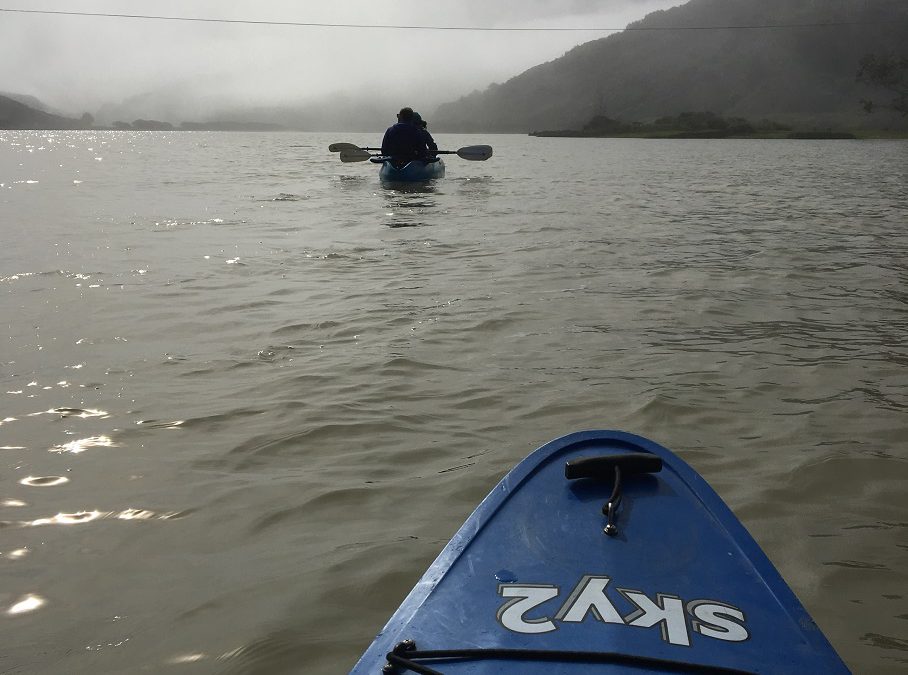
[29,603]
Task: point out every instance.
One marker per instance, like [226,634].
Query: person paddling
[424,126]
[406,140]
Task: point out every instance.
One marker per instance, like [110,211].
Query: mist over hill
[336,112]
[801,75]
[154,111]
[30,101]
[14,114]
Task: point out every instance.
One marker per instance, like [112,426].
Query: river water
[248,393]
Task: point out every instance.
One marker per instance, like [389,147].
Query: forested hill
[17,115]
[802,75]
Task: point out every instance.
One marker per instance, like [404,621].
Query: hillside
[16,115]
[797,75]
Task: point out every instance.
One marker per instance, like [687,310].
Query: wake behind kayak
[601,552]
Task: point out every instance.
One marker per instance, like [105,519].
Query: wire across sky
[310,24]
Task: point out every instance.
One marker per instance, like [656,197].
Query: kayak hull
[532,584]
[411,172]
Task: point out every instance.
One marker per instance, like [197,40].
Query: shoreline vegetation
[16,115]
[707,125]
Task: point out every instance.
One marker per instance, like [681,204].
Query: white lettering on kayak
[718,620]
[588,595]
[525,598]
[709,618]
[667,613]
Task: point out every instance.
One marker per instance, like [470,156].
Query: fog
[186,69]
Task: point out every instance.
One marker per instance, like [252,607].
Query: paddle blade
[476,153]
[340,147]
[357,155]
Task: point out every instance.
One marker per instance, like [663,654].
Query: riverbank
[861,135]
[708,125]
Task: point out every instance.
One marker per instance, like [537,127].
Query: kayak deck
[532,583]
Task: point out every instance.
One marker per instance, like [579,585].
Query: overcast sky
[78,63]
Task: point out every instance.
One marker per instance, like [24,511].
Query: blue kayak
[601,552]
[409,172]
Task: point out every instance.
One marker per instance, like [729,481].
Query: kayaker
[424,126]
[405,140]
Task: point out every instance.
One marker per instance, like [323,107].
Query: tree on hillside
[888,72]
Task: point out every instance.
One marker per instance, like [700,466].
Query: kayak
[601,552]
[411,172]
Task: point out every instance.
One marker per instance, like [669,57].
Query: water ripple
[310,364]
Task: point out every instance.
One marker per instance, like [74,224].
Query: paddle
[340,147]
[475,153]
[353,153]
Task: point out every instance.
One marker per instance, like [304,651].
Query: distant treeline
[155,125]
[704,124]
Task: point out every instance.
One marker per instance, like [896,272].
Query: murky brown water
[248,393]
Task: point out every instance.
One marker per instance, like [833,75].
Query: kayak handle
[603,468]
[612,467]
